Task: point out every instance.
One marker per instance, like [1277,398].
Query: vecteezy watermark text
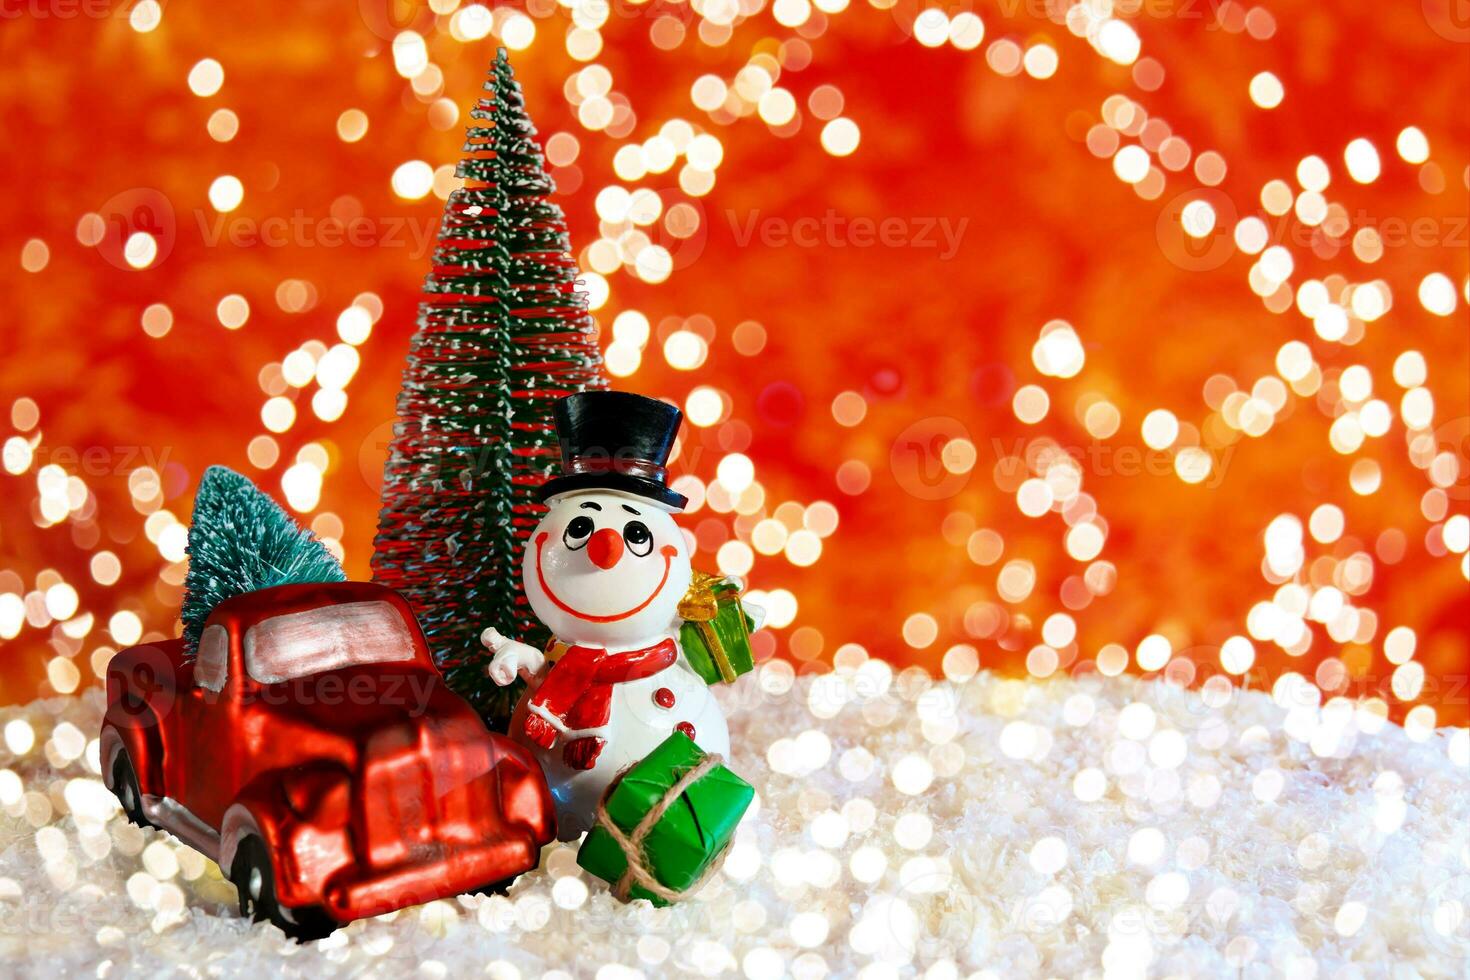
[99,461]
[65,9]
[835,230]
[1211,249]
[302,230]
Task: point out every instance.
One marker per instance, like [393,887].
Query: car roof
[248,608]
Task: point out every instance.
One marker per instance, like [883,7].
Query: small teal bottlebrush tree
[241,540]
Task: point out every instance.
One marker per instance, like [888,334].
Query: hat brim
[639,486]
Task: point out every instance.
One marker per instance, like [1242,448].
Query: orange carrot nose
[605,548]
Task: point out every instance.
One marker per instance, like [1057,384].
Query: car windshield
[293,645]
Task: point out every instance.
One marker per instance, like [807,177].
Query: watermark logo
[1453,437]
[1450,19]
[386,19]
[934,459]
[919,459]
[372,452]
[916,18]
[682,230]
[933,18]
[72,9]
[42,915]
[103,461]
[301,230]
[148,688]
[408,689]
[139,229]
[932,916]
[1194,230]
[1445,916]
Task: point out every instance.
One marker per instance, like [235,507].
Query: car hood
[390,720]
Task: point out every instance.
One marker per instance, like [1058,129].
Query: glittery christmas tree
[240,540]
[503,332]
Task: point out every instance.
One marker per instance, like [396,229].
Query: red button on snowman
[604,571]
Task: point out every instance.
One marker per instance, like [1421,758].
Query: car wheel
[255,882]
[125,788]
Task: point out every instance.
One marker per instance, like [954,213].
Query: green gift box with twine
[716,631]
[663,825]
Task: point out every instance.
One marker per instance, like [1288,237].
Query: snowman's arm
[511,657]
[556,723]
[756,613]
[539,710]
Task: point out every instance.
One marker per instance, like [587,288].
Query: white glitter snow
[1096,827]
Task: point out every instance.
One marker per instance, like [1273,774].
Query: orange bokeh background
[935,335]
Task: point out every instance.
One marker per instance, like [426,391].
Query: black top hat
[616,440]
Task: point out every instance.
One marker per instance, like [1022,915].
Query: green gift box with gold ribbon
[716,631]
[663,825]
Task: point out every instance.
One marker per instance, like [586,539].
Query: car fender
[144,751]
[300,814]
[258,810]
[142,698]
[240,823]
[521,787]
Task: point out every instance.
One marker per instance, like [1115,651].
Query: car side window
[214,658]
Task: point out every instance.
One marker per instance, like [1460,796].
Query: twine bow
[639,871]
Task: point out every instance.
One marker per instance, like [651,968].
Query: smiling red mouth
[668,551]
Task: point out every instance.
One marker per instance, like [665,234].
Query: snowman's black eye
[638,537]
[578,532]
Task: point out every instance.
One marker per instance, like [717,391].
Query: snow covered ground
[1095,827]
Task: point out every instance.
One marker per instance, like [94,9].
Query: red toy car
[312,749]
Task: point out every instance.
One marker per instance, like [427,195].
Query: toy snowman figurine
[605,571]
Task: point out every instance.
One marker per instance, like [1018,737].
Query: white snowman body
[636,726]
[606,570]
